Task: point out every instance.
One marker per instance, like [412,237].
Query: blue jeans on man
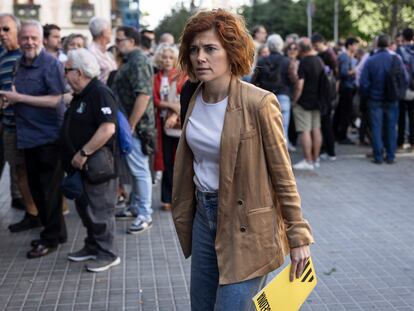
[383,117]
[284,102]
[141,194]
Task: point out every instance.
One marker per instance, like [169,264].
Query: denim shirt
[373,75]
[346,63]
[37,126]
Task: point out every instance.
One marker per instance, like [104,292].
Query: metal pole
[336,12]
[309,13]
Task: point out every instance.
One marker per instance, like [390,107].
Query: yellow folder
[282,295]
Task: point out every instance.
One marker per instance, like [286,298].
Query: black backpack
[394,86]
[327,91]
[269,77]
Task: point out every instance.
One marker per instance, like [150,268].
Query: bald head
[167,38]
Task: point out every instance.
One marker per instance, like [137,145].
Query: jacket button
[243,228]
[240,202]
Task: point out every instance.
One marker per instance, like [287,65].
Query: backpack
[124,134]
[408,60]
[269,75]
[394,82]
[327,90]
[123,129]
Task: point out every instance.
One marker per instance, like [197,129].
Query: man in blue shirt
[383,113]
[8,37]
[36,97]
[347,89]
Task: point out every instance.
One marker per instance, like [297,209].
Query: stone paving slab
[362,217]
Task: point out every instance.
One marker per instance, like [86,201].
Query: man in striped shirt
[9,26]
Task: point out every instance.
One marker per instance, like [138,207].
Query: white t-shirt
[203,136]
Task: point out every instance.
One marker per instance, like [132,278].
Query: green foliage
[284,17]
[174,22]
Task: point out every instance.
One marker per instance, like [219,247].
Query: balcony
[116,18]
[27,11]
[82,13]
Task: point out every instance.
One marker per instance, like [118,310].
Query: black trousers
[96,209]
[364,129]
[406,107]
[343,113]
[169,145]
[328,142]
[44,174]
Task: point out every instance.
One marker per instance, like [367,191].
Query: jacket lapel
[230,136]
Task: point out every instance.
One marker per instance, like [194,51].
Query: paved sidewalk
[362,216]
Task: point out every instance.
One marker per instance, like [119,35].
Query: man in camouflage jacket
[133,85]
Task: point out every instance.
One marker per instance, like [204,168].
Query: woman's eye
[193,50]
[210,49]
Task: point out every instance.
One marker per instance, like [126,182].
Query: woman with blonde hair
[167,89]
[235,205]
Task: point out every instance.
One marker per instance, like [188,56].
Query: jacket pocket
[259,210]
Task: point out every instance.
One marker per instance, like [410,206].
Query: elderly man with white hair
[272,74]
[38,86]
[101,35]
[89,127]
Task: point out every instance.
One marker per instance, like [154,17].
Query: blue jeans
[284,102]
[141,194]
[383,118]
[205,292]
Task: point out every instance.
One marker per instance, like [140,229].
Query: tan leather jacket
[259,209]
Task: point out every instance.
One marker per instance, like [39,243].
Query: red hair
[232,33]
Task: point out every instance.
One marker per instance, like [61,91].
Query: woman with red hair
[235,206]
[167,89]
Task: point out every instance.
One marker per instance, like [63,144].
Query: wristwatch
[83,153]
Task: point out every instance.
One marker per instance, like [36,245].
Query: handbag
[100,166]
[174,131]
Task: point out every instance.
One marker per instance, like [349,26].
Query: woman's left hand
[298,256]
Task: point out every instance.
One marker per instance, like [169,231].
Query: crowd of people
[360,79]
[61,98]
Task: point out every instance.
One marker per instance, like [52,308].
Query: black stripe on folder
[306,266]
[311,279]
[306,276]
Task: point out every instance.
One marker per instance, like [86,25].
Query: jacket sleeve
[298,230]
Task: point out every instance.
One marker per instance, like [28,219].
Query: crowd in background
[42,74]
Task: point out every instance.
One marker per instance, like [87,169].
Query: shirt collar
[36,62]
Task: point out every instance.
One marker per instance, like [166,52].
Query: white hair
[97,25]
[161,49]
[275,43]
[34,23]
[14,18]
[85,61]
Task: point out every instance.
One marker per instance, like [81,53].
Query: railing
[27,11]
[82,13]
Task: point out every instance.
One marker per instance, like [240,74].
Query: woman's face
[75,43]
[264,52]
[208,57]
[292,51]
[168,60]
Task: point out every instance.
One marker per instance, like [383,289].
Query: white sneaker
[317,163]
[140,225]
[291,148]
[324,156]
[303,165]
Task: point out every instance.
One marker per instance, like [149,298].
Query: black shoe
[37,242]
[82,255]
[18,203]
[346,141]
[28,222]
[376,161]
[103,264]
[40,251]
[391,161]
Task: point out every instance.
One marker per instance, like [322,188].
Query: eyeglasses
[5,29]
[69,69]
[120,40]
[292,49]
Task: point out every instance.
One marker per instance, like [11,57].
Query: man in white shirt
[101,34]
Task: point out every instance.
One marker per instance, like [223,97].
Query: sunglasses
[69,69]
[5,29]
[120,40]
